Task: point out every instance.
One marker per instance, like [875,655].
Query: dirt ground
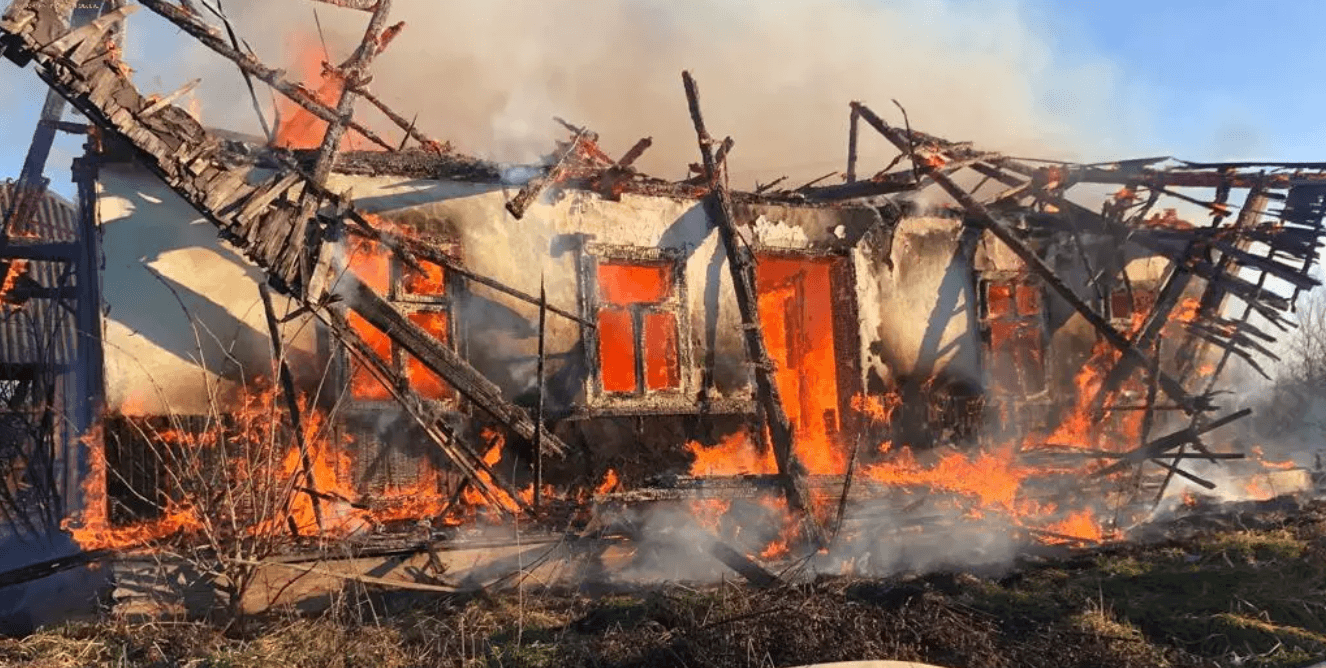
[1230,589]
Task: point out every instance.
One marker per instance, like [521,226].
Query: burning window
[1014,330]
[638,330]
[1128,306]
[423,295]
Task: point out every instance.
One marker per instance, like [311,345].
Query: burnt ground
[1232,589]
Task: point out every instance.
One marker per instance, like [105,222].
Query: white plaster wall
[519,252]
[915,315]
[184,321]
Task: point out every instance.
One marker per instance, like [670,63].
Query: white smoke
[777,77]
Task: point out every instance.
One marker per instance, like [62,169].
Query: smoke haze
[777,77]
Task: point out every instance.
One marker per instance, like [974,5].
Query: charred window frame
[417,297]
[1014,334]
[1130,301]
[643,317]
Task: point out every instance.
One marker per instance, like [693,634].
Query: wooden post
[853,130]
[538,434]
[741,263]
[90,378]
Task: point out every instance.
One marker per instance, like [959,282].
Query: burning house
[454,339]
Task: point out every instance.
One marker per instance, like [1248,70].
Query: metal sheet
[41,330]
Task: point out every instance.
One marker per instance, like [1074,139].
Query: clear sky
[1220,79]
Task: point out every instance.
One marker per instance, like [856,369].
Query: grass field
[1239,592]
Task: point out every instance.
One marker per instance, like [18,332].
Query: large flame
[296,127]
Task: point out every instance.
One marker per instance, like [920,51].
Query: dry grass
[1237,597]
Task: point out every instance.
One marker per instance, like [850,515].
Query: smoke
[673,542]
[777,77]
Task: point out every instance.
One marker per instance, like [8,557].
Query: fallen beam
[50,567]
[411,132]
[532,189]
[432,254]
[741,264]
[1188,435]
[743,565]
[466,460]
[442,360]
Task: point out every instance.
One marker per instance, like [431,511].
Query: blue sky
[1219,79]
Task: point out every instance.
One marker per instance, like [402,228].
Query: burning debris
[1007,362]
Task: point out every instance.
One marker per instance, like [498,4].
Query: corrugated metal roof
[41,330]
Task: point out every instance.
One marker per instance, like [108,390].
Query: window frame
[408,305]
[1040,320]
[592,256]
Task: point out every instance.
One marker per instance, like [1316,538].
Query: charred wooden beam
[440,359]
[853,132]
[169,99]
[847,488]
[30,188]
[1221,282]
[741,264]
[465,459]
[1110,454]
[361,5]
[411,132]
[1172,468]
[430,253]
[287,382]
[50,567]
[532,189]
[68,127]
[1005,234]
[1292,275]
[634,153]
[893,182]
[26,249]
[1193,179]
[742,564]
[538,413]
[1190,435]
[811,183]
[352,72]
[273,77]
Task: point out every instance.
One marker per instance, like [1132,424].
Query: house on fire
[855,300]
[972,322]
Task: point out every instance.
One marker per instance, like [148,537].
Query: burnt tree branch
[287,382]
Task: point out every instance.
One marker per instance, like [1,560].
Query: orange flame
[298,128]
